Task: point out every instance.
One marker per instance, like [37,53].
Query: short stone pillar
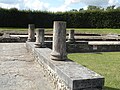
[59,41]
[71,36]
[39,38]
[31,33]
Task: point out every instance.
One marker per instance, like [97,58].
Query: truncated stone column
[59,41]
[31,33]
[71,36]
[39,38]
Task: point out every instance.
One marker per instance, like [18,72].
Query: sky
[55,5]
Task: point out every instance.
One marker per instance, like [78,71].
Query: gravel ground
[18,69]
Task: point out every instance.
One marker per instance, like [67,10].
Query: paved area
[104,42]
[19,71]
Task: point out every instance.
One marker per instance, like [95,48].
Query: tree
[74,10]
[110,7]
[90,7]
[81,9]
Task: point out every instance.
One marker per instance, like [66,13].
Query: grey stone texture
[31,33]
[59,41]
[39,38]
[19,70]
[71,37]
[8,38]
[93,46]
[87,46]
[66,75]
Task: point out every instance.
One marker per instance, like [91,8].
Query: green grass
[106,64]
[80,30]
[13,29]
[98,31]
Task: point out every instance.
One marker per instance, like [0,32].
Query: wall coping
[104,42]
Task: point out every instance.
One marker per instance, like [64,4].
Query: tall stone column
[59,41]
[71,36]
[31,33]
[39,38]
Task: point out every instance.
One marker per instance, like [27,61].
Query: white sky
[55,5]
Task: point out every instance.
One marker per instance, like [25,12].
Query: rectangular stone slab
[75,76]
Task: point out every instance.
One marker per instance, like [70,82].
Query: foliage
[95,17]
[93,8]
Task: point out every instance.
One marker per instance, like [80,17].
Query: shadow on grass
[110,88]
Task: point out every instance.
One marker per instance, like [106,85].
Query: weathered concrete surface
[19,71]
[104,42]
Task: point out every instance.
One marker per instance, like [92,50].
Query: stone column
[39,38]
[59,41]
[71,36]
[31,33]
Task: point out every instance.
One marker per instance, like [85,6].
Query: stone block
[67,75]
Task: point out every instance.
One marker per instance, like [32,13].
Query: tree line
[93,17]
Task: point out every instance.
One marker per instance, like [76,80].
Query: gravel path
[19,71]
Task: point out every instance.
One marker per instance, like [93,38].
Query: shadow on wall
[110,88]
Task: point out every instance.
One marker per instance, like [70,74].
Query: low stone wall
[66,75]
[103,46]
[75,48]
[9,39]
[79,46]
[84,46]
[18,38]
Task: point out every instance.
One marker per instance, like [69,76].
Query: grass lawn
[80,30]
[13,29]
[104,63]
[99,31]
